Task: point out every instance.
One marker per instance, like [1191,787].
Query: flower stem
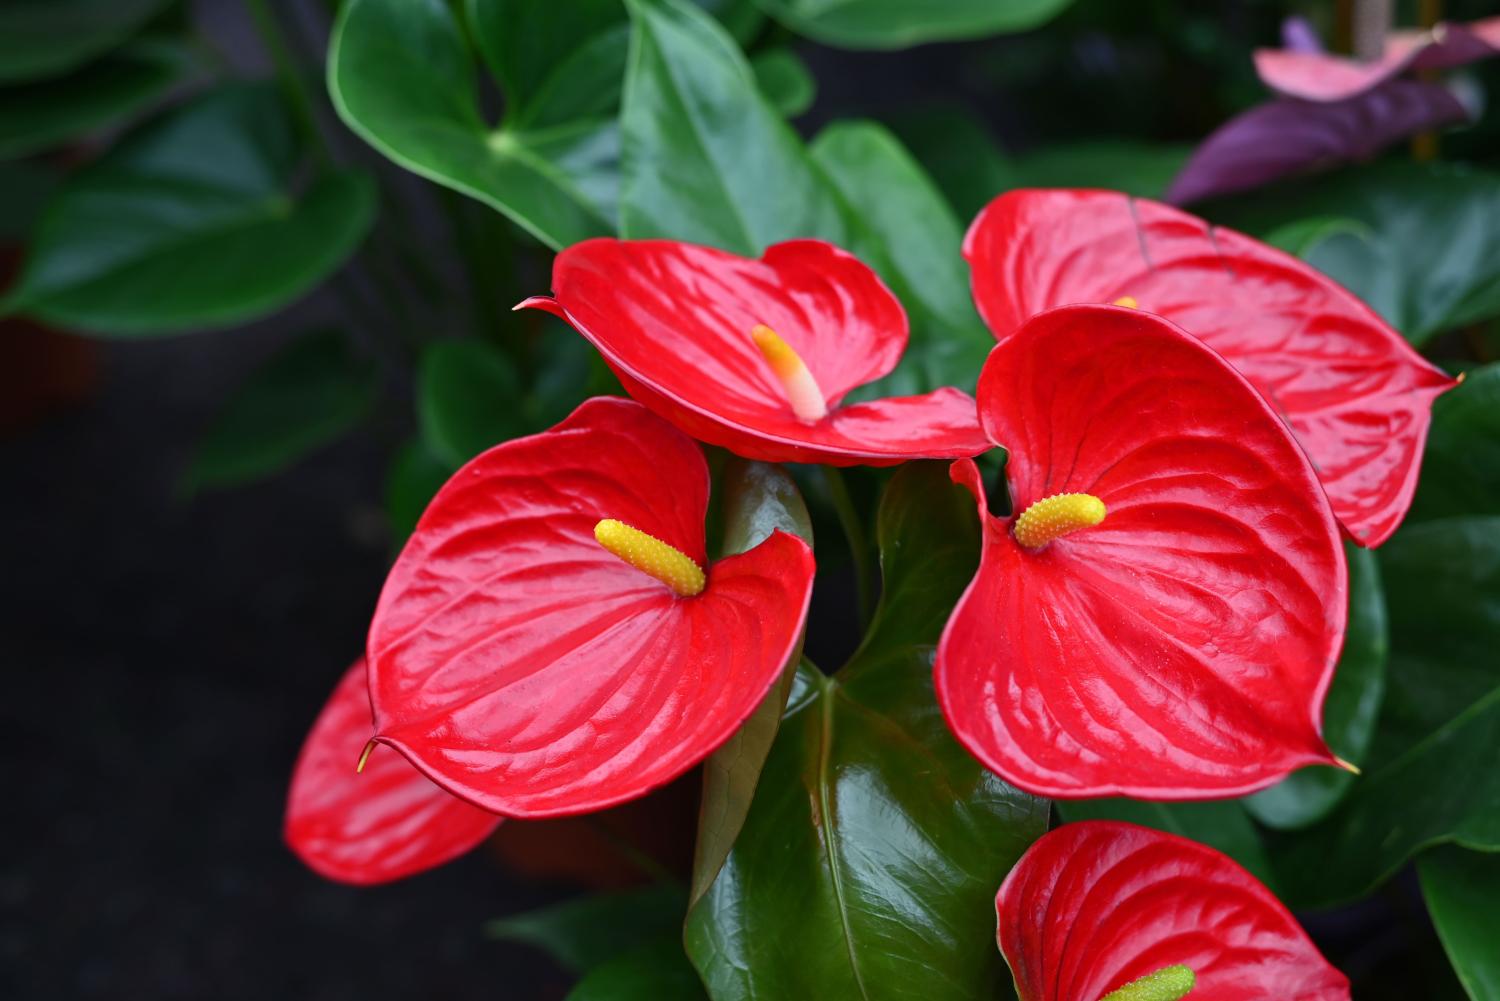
[854,532]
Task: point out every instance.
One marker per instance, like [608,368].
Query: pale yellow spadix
[801,389]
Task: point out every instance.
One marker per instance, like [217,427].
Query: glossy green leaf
[1221,824]
[960,154]
[1429,780]
[758,499]
[1462,889]
[402,76]
[198,220]
[1138,169]
[1461,467]
[910,234]
[868,865]
[467,399]
[526,44]
[1350,711]
[657,972]
[895,24]
[586,933]
[47,38]
[36,117]
[785,81]
[414,476]
[309,394]
[706,157]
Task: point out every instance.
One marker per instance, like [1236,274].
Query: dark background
[165,655]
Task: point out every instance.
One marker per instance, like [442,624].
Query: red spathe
[1181,649]
[523,667]
[1096,905]
[674,319]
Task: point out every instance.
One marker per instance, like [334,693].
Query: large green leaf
[706,158]
[37,116]
[868,865]
[1462,889]
[655,972]
[402,76]
[916,243]
[46,38]
[198,220]
[468,399]
[1349,713]
[307,395]
[758,499]
[531,51]
[1461,470]
[1221,824]
[588,932]
[894,24]
[785,81]
[1136,168]
[960,154]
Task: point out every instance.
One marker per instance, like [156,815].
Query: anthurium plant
[1043,591]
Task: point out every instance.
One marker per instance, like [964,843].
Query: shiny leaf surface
[383,823]
[1181,648]
[872,848]
[1349,714]
[198,220]
[1461,888]
[467,393]
[706,157]
[307,395]
[1094,906]
[523,666]
[674,321]
[46,38]
[403,78]
[1354,393]
[896,24]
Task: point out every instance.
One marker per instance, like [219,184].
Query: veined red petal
[380,824]
[525,668]
[674,322]
[1318,76]
[1355,393]
[1093,906]
[1180,649]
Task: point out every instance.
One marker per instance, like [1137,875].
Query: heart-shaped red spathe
[377,825]
[1181,648]
[1357,396]
[1319,76]
[674,321]
[1096,905]
[522,666]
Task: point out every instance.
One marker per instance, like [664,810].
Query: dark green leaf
[1350,710]
[46,38]
[706,158]
[658,972]
[1135,168]
[401,76]
[196,221]
[585,933]
[467,399]
[960,154]
[869,862]
[24,189]
[758,499]
[1461,469]
[895,24]
[915,242]
[1221,824]
[1462,889]
[414,476]
[307,395]
[1299,237]
[525,43]
[38,116]
[785,81]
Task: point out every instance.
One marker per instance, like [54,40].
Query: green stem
[292,81]
[854,532]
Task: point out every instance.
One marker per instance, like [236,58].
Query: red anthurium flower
[1161,617]
[382,823]
[1317,76]
[1355,393]
[756,355]
[1105,911]
[552,640]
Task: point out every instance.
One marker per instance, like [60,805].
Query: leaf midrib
[825,821]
